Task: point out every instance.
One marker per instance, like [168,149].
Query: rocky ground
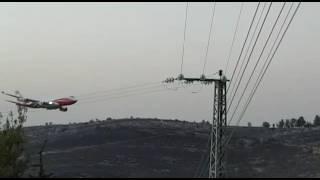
[170,148]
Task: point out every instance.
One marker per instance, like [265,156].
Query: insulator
[202,77]
[224,78]
[169,80]
[180,77]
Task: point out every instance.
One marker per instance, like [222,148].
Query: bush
[281,124]
[300,122]
[293,123]
[308,125]
[287,123]
[13,161]
[266,124]
[316,121]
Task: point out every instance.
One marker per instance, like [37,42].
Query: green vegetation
[13,161]
[266,124]
[316,121]
[300,122]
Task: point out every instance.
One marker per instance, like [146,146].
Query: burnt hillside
[171,148]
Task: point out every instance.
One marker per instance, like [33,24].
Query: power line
[133,89]
[127,95]
[255,89]
[265,70]
[254,45]
[141,90]
[6,112]
[200,166]
[184,36]
[248,48]
[208,43]
[274,43]
[264,65]
[117,97]
[124,95]
[119,89]
[120,95]
[120,92]
[263,49]
[205,168]
[233,39]
[245,41]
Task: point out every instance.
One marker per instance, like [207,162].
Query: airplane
[50,105]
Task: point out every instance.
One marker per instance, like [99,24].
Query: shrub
[13,161]
[266,124]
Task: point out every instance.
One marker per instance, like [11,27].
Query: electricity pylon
[219,121]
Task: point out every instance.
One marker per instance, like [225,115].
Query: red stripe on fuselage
[64,101]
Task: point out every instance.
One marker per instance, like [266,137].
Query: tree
[287,123]
[281,124]
[316,121]
[13,161]
[249,124]
[293,122]
[266,124]
[308,124]
[300,122]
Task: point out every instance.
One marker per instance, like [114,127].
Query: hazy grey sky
[52,50]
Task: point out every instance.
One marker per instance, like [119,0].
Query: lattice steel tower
[219,124]
[219,121]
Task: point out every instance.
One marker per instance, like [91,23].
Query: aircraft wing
[10,94]
[29,100]
[20,104]
[20,98]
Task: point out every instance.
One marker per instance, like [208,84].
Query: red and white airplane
[50,105]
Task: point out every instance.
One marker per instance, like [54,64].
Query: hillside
[171,148]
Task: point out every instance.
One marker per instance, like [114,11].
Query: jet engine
[63,109]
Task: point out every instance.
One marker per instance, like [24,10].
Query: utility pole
[219,121]
[219,124]
[42,173]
